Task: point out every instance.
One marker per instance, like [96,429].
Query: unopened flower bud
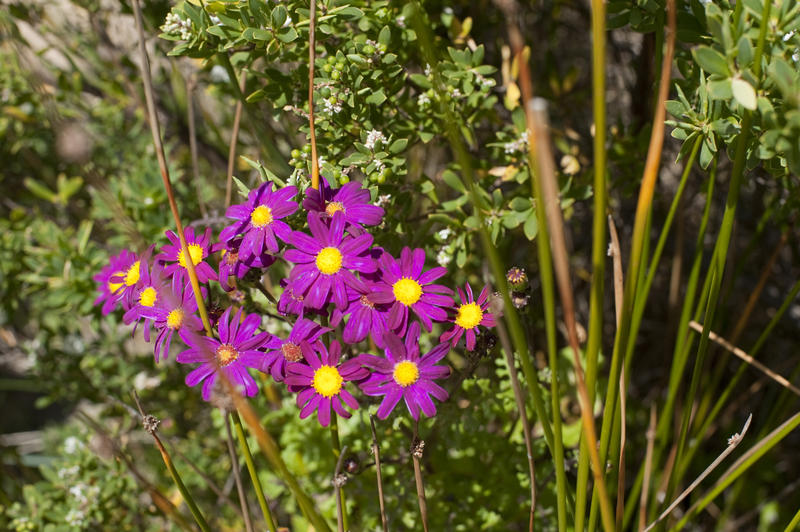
[517,278]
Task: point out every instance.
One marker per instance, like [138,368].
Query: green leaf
[287,35]
[745,55]
[398,145]
[531,227]
[744,93]
[241,187]
[377,97]
[278,16]
[39,190]
[720,90]
[450,177]
[711,61]
[385,36]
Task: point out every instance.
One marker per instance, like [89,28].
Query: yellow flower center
[334,207]
[195,251]
[329,260]
[113,287]
[148,297]
[226,354]
[261,216]
[291,352]
[407,291]
[469,315]
[405,373]
[327,381]
[132,276]
[175,318]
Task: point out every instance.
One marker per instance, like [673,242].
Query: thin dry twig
[780,379]
[648,468]
[312,43]
[237,120]
[616,257]
[733,442]
[237,477]
[417,449]
[520,399]
[191,84]
[376,452]
[544,157]
[339,480]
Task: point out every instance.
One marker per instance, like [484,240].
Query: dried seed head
[351,465]
[150,423]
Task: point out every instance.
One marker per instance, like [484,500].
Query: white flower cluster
[373,137]
[175,25]
[66,472]
[445,233]
[72,444]
[75,517]
[383,199]
[444,257]
[423,99]
[332,108]
[400,21]
[519,145]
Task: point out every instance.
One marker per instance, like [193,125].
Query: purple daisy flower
[110,280]
[234,352]
[406,286]
[281,353]
[366,317]
[351,200]
[174,312]
[199,249]
[320,384]
[405,374]
[289,302]
[128,279]
[468,316]
[231,263]
[259,220]
[148,291]
[323,262]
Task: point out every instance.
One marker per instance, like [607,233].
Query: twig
[733,442]
[155,130]
[311,51]
[555,223]
[237,120]
[417,448]
[523,416]
[237,477]
[191,83]
[648,468]
[616,256]
[150,424]
[376,452]
[338,482]
[780,379]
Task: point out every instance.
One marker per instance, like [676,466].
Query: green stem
[598,241]
[793,523]
[187,496]
[251,468]
[337,452]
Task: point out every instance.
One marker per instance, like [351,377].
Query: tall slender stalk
[417,448]
[251,468]
[337,452]
[312,22]
[237,477]
[150,424]
[376,452]
[237,120]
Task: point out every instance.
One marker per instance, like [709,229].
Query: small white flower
[372,139]
[77,491]
[456,93]
[400,21]
[215,20]
[444,257]
[428,70]
[75,517]
[66,472]
[72,444]
[175,25]
[518,145]
[445,233]
[332,108]
[143,381]
[423,99]
[383,199]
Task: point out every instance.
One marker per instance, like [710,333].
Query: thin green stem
[598,240]
[793,523]
[337,452]
[251,468]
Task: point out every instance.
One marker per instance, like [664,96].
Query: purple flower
[323,262]
[281,353]
[468,316]
[404,373]
[289,302]
[351,200]
[174,312]
[146,294]
[406,286]
[320,384]
[111,279]
[234,352]
[199,249]
[231,263]
[366,317]
[259,220]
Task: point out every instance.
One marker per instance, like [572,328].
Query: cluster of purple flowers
[336,274]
